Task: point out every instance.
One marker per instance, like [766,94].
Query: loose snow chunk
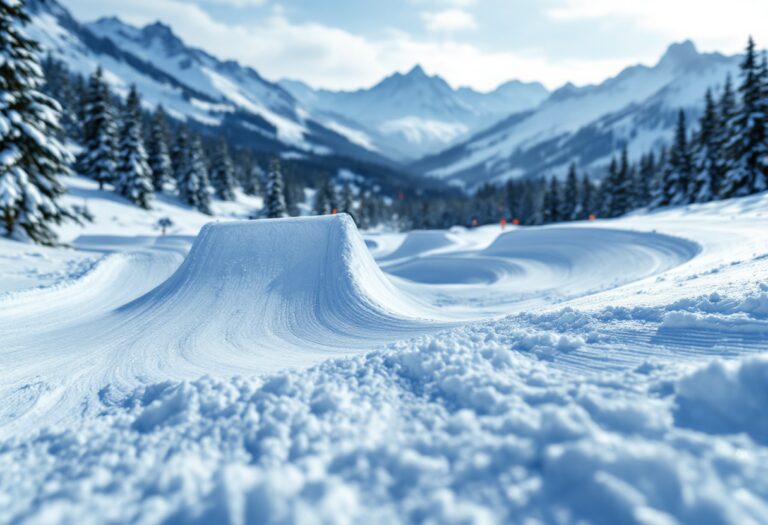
[726,398]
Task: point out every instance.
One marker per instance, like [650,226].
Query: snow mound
[282,269]
[277,283]
[577,259]
[455,270]
[726,398]
[420,242]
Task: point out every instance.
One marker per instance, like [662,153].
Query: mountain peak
[680,54]
[164,34]
[417,72]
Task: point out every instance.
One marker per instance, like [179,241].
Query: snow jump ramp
[302,283]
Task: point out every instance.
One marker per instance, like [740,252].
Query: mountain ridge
[587,124]
[408,115]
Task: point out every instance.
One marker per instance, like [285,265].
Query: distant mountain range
[408,116]
[587,125]
[188,82]
[414,121]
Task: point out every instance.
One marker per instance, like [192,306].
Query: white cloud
[449,20]
[713,24]
[237,3]
[325,56]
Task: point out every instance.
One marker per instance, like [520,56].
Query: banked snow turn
[256,297]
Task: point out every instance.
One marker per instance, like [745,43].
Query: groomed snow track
[251,297]
[260,296]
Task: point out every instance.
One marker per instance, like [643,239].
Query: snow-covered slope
[634,402]
[188,82]
[588,124]
[411,115]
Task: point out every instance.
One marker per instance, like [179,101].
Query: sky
[348,44]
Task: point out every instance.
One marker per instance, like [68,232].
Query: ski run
[300,371]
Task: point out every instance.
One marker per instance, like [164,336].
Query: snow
[677,81]
[416,130]
[296,371]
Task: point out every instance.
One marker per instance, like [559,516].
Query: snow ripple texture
[440,430]
[260,380]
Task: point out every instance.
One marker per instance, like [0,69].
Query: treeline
[138,153]
[725,156]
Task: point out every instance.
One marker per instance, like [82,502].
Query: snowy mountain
[587,124]
[406,116]
[188,82]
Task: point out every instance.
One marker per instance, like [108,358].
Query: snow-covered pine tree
[347,202]
[322,205]
[727,108]
[98,159]
[657,180]
[223,173]
[608,188]
[158,151]
[644,180]
[621,199]
[58,84]
[569,205]
[179,154]
[587,198]
[364,215]
[31,157]
[708,160]
[275,198]
[678,171]
[551,207]
[253,177]
[748,170]
[194,186]
[294,196]
[133,175]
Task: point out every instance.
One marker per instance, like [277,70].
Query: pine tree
[159,157]
[275,199]
[133,175]
[644,180]
[31,157]
[657,178]
[569,206]
[621,198]
[222,174]
[587,203]
[551,208]
[347,202]
[709,160]
[748,172]
[194,186]
[179,153]
[364,216]
[325,198]
[607,190]
[60,86]
[678,171]
[254,176]
[98,160]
